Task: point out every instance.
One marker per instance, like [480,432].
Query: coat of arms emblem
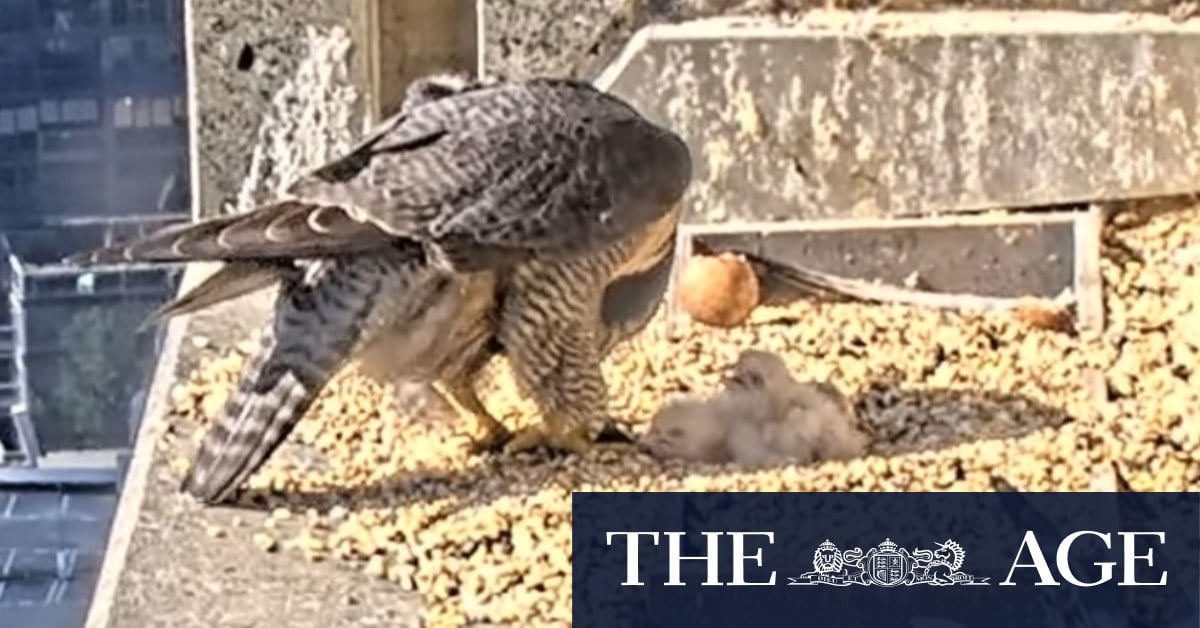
[888,565]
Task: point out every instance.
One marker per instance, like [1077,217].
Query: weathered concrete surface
[525,38]
[258,72]
[991,255]
[572,38]
[898,113]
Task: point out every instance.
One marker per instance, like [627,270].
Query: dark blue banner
[919,560]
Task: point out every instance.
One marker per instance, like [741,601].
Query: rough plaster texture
[310,121]
[905,113]
[263,70]
[567,37]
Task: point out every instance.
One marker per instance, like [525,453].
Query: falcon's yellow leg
[555,432]
[487,433]
[572,397]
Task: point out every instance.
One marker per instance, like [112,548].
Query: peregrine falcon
[533,219]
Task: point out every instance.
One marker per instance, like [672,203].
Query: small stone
[377,566]
[180,465]
[213,403]
[265,542]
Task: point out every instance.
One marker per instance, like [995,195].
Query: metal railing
[28,447]
[24,283]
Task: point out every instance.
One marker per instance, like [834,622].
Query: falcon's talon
[491,442]
[537,436]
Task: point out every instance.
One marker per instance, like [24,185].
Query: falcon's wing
[282,231]
[541,167]
[483,175]
[279,231]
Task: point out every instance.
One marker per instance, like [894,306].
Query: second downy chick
[763,417]
[807,421]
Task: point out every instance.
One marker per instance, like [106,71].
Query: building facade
[93,126]
[93,146]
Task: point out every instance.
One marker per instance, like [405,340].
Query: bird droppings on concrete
[956,402]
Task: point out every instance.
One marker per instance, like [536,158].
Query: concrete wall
[279,87]
[570,37]
[843,114]
[257,70]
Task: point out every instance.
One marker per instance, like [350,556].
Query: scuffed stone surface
[569,38]
[916,113]
[257,64]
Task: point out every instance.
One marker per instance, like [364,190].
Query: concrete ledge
[137,475]
[882,114]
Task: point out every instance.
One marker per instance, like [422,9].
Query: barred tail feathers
[318,325]
[270,401]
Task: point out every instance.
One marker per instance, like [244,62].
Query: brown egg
[720,291]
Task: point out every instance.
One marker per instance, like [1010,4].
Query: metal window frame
[28,472]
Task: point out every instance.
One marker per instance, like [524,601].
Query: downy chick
[806,421]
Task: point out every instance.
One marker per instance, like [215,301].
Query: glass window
[90,110]
[62,20]
[158,11]
[8,122]
[80,110]
[27,118]
[117,51]
[122,113]
[162,112]
[48,111]
[16,16]
[141,113]
[119,14]
[139,11]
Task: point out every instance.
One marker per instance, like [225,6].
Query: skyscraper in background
[93,132]
[93,146]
